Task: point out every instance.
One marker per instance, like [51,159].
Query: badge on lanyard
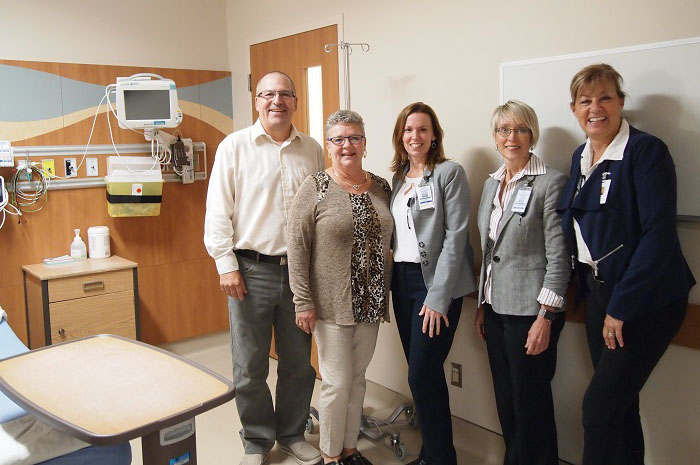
[605,187]
[521,199]
[425,197]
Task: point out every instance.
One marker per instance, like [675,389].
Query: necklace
[354,186]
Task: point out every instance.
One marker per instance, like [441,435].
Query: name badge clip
[605,187]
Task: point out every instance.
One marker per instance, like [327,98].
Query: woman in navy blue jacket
[619,212]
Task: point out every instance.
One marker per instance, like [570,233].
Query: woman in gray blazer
[524,275]
[433,268]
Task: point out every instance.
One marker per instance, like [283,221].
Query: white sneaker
[255,459]
[302,452]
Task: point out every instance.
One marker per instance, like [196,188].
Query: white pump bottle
[77,248]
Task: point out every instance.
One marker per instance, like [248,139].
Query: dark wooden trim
[137,313]
[47,313]
[26,308]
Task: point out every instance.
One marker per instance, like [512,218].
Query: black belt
[260,257]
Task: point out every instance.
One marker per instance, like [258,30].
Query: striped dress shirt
[535,166]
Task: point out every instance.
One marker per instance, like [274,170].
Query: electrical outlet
[49,167]
[71,167]
[456,378]
[91,167]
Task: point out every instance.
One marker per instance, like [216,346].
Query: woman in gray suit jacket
[524,275]
[433,268]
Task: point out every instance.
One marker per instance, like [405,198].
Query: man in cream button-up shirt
[257,171]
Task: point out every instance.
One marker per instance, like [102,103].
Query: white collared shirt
[535,166]
[251,187]
[614,151]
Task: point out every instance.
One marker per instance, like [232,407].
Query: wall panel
[178,283]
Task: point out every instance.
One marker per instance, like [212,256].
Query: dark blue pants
[522,385]
[426,357]
[612,427]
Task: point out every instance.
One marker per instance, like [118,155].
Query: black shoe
[356,459]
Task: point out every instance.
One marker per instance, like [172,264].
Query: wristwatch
[546,314]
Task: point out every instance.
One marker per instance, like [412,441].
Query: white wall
[447,53]
[157,33]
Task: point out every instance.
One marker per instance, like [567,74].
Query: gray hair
[520,113]
[345,117]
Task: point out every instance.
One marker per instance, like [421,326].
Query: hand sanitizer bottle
[77,248]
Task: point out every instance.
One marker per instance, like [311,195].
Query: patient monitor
[147,103]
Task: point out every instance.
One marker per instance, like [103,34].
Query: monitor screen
[147,104]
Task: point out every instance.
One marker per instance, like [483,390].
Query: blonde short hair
[520,113]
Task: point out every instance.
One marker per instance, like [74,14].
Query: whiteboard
[662,82]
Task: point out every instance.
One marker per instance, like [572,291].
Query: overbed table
[107,389]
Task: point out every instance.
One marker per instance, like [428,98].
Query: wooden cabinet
[83,298]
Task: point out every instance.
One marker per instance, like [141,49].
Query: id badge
[425,197]
[521,199]
[605,188]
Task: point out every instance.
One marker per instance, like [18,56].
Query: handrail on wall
[103,149]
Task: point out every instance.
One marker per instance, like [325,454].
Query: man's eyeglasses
[505,132]
[340,140]
[270,94]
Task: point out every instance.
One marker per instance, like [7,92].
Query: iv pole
[347,51]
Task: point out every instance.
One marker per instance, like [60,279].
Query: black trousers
[612,427]
[522,384]
[426,357]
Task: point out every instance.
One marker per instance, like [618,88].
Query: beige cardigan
[320,235]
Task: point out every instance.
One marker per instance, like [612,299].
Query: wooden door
[294,55]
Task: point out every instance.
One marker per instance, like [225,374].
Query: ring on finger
[611,333]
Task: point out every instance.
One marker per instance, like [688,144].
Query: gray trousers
[267,305]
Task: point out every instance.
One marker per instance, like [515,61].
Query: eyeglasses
[505,132]
[340,140]
[270,94]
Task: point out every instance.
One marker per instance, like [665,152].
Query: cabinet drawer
[109,313]
[88,285]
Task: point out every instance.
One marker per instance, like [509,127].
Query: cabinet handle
[61,332]
[93,286]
